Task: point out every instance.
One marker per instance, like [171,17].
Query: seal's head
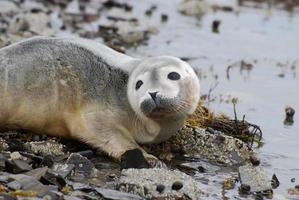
[163,88]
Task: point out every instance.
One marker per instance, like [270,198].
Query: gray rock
[5,196]
[255,177]
[30,183]
[18,166]
[38,172]
[43,148]
[79,186]
[82,165]
[14,185]
[144,182]
[215,148]
[115,195]
[3,178]
[63,170]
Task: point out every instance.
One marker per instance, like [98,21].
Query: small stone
[255,177]
[15,155]
[293,180]
[48,161]
[289,111]
[177,185]
[16,145]
[201,169]
[63,170]
[17,166]
[3,178]
[6,196]
[164,18]
[79,186]
[215,26]
[293,191]
[228,184]
[14,185]
[53,179]
[289,119]
[219,139]
[36,138]
[244,189]
[254,161]
[44,148]
[132,37]
[81,164]
[29,183]
[160,188]
[38,172]
[274,182]
[144,182]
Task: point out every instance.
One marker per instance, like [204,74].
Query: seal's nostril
[153,95]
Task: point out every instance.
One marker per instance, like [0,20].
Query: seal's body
[85,90]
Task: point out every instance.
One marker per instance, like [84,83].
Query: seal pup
[74,87]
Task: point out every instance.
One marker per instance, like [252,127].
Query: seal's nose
[153,95]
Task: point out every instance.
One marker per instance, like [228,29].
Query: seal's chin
[159,113]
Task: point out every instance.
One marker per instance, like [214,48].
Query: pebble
[177,185]
[275,182]
[17,166]
[15,155]
[255,177]
[63,170]
[37,173]
[160,188]
[81,164]
[14,185]
[201,169]
[144,182]
[44,148]
[48,161]
[254,160]
[215,26]
[244,189]
[3,178]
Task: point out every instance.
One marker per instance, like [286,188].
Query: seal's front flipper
[137,158]
[133,159]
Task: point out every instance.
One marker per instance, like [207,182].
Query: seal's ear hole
[138,84]
[174,76]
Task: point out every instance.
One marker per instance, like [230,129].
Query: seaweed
[247,132]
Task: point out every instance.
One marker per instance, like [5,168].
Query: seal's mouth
[159,113]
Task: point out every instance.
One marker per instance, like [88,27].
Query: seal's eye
[138,84]
[174,76]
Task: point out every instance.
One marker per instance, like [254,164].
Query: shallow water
[266,39]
